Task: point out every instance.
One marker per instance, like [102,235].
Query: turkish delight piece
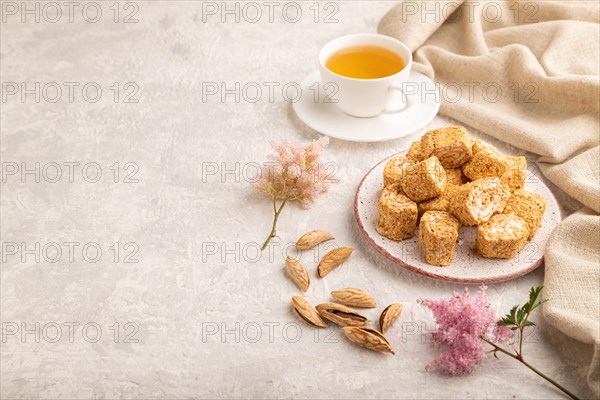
[424,180]
[514,177]
[438,232]
[452,145]
[397,214]
[416,153]
[486,162]
[392,172]
[475,202]
[528,206]
[503,236]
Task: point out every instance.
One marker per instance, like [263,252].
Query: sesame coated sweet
[514,177]
[479,145]
[397,214]
[487,162]
[503,236]
[452,145]
[424,180]
[475,202]
[415,153]
[528,206]
[438,232]
[392,173]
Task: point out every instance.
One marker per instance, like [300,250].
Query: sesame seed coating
[514,177]
[452,145]
[416,153]
[475,202]
[424,180]
[440,203]
[528,206]
[486,163]
[438,232]
[503,236]
[397,218]
[392,173]
[455,176]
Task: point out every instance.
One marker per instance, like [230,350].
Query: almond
[341,315]
[298,273]
[307,312]
[368,338]
[333,259]
[388,316]
[313,238]
[354,297]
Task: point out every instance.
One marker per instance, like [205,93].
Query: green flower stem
[521,330]
[519,357]
[275,218]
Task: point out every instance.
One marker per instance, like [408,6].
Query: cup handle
[407,102]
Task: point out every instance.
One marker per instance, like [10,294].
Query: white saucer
[325,117]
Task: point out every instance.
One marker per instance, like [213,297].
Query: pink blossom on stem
[462,322]
[295,172]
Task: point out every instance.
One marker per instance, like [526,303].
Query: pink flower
[462,322]
[295,172]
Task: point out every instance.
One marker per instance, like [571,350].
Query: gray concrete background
[200,314]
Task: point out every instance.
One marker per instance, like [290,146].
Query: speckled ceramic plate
[468,266]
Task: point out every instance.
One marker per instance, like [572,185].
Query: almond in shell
[333,259]
[313,238]
[298,273]
[307,312]
[341,315]
[354,297]
[368,338]
[389,316]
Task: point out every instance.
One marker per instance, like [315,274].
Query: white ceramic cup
[367,97]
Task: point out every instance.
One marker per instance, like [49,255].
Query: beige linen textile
[545,58]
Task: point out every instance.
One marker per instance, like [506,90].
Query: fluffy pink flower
[462,322]
[295,172]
